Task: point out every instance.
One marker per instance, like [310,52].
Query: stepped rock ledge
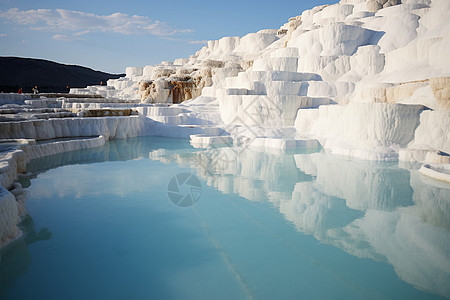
[363,79]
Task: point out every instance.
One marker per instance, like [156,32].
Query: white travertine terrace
[355,51]
[366,79]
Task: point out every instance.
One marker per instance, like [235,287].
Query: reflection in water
[363,184]
[114,150]
[15,259]
[370,210]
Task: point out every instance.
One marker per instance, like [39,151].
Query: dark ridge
[48,76]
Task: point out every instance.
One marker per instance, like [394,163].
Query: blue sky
[111,35]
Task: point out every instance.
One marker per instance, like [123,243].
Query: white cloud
[3,34]
[202,42]
[64,38]
[67,23]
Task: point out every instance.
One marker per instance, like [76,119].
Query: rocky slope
[367,79]
[390,54]
[357,51]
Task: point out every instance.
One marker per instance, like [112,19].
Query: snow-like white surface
[52,148]
[433,131]
[439,172]
[9,217]
[11,98]
[109,127]
[358,77]
[14,154]
[13,160]
[353,51]
[366,130]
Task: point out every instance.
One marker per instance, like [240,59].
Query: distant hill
[48,76]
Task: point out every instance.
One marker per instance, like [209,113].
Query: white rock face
[437,171]
[10,98]
[110,128]
[133,71]
[41,150]
[345,42]
[13,158]
[367,79]
[14,155]
[366,56]
[368,131]
[331,40]
[386,51]
[433,131]
[9,217]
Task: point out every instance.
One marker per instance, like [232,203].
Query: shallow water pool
[304,225]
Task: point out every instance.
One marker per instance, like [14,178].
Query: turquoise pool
[304,225]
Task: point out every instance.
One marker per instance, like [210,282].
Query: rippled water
[265,226]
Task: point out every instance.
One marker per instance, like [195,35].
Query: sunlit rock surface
[365,79]
[113,127]
[9,217]
[368,131]
[356,51]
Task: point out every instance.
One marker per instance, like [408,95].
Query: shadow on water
[15,259]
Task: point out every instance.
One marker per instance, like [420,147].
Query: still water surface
[304,225]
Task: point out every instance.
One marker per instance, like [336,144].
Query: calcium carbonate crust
[366,79]
[15,153]
[378,60]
